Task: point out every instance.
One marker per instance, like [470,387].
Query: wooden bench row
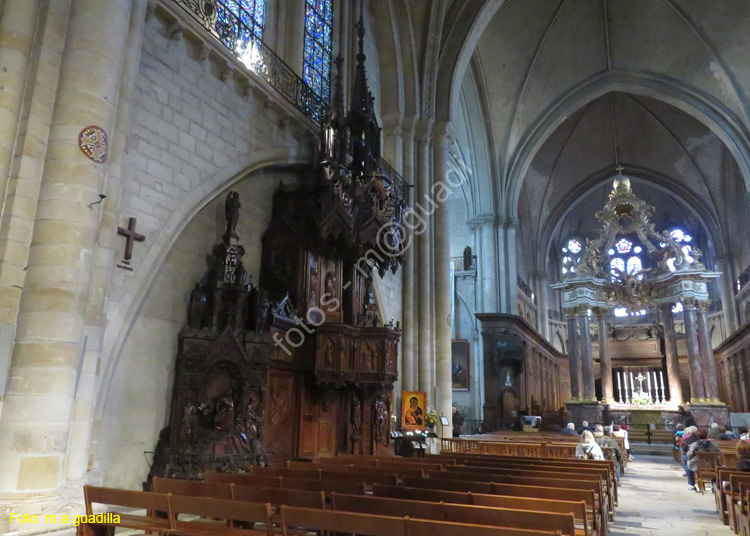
[170,514]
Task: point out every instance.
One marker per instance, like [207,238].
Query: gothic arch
[704,108]
[121,320]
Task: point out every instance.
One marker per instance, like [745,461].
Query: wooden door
[317,425]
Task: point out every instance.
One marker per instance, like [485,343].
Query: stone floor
[654,500]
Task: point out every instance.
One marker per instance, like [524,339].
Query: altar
[595,285]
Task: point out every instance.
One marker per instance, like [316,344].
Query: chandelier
[594,282]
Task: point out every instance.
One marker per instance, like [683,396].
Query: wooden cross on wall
[130,237]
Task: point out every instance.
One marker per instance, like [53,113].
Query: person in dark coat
[517,425]
[570,429]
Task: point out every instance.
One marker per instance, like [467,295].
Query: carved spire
[361,101]
[361,120]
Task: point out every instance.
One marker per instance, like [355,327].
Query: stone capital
[482,220]
[702,305]
[392,125]
[423,129]
[511,222]
[600,311]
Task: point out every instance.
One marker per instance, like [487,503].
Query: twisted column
[698,392]
[587,357]
[574,357]
[673,359]
[605,361]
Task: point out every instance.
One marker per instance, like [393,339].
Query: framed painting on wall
[460,364]
[413,409]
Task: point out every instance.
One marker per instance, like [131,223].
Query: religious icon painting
[460,364]
[413,410]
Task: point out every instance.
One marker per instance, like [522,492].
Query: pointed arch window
[316,64]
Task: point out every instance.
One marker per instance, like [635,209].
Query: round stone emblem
[94,143]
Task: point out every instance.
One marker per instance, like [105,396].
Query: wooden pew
[277,497]
[219,517]
[400,470]
[243,479]
[601,471]
[720,494]
[156,519]
[313,473]
[375,525]
[581,503]
[480,462]
[538,478]
[489,488]
[327,486]
[455,513]
[235,492]
[733,498]
[193,488]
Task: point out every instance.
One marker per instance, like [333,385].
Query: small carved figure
[381,422]
[467,258]
[224,411]
[232,212]
[356,420]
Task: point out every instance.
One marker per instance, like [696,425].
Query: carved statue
[356,421]
[381,422]
[467,258]
[224,411]
[232,207]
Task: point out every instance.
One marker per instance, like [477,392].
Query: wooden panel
[279,417]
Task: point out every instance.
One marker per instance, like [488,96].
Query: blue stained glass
[238,22]
[316,65]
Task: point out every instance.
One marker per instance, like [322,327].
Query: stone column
[442,293]
[542,307]
[605,361]
[488,258]
[424,306]
[726,284]
[587,358]
[710,379]
[574,358]
[511,274]
[18,24]
[408,319]
[698,392]
[673,358]
[35,421]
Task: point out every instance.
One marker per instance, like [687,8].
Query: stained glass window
[617,264]
[634,265]
[623,246]
[574,246]
[677,307]
[316,65]
[239,23]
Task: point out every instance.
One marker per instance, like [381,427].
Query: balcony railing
[240,35]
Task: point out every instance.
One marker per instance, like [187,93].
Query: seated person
[703,444]
[570,429]
[602,435]
[587,448]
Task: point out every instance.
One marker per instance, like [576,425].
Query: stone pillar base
[706,413]
[585,410]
